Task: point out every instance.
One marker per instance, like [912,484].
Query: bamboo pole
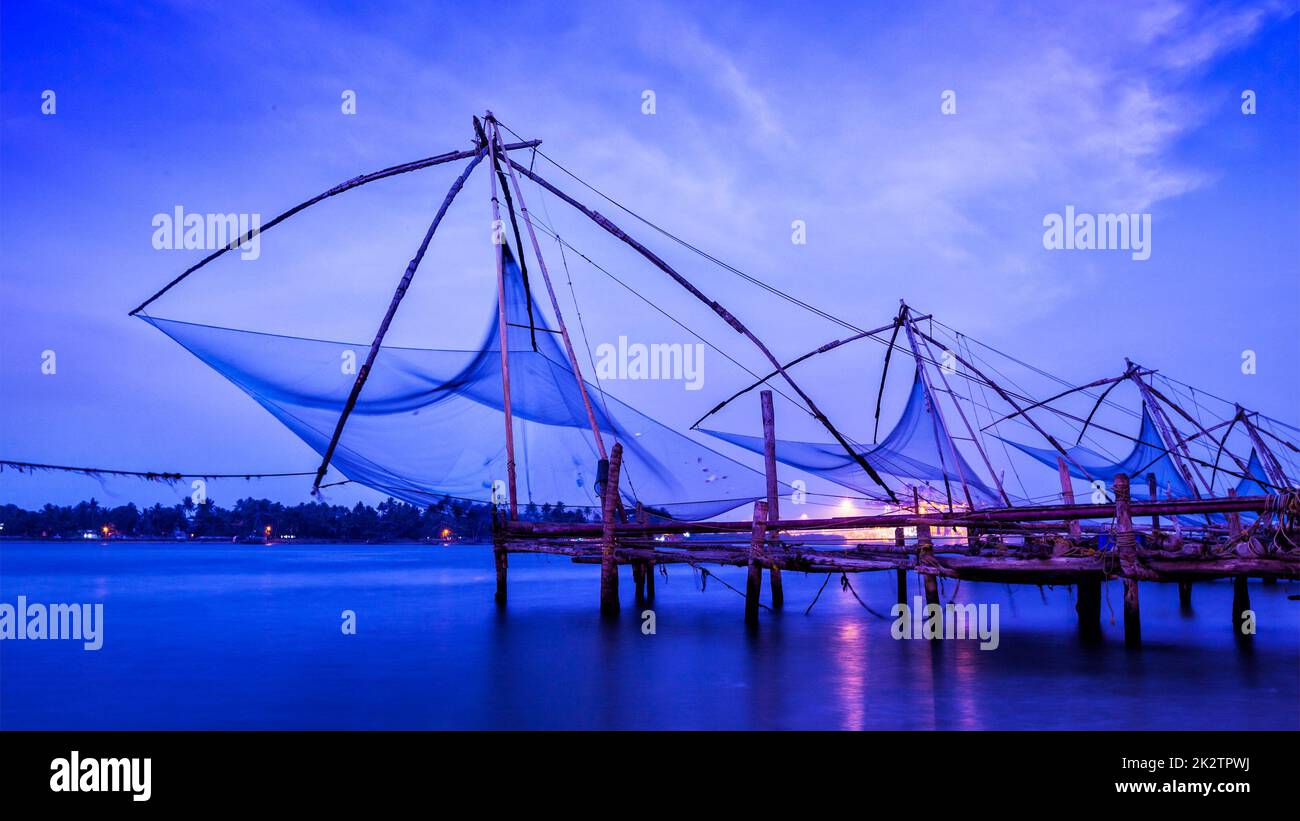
[1126,546]
[773,500]
[503,329]
[609,605]
[754,579]
[555,306]
[402,286]
[722,312]
[355,182]
[829,346]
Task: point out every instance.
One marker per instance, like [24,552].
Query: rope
[846,585]
[819,594]
[706,573]
[150,475]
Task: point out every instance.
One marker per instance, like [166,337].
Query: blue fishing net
[918,447]
[1147,456]
[430,423]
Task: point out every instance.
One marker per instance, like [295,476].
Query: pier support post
[754,582]
[1240,592]
[499,556]
[925,554]
[1088,607]
[1185,595]
[1126,546]
[773,503]
[608,562]
[646,586]
[1240,604]
[900,540]
[638,580]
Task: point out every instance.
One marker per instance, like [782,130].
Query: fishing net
[430,423]
[918,447]
[1147,456]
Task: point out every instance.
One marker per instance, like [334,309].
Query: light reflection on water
[226,636]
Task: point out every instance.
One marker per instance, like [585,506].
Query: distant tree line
[391,520]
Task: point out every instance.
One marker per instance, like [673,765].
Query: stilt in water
[1240,592]
[1185,595]
[899,541]
[754,582]
[647,584]
[1088,606]
[608,563]
[925,551]
[1240,604]
[773,503]
[638,580]
[499,557]
[1126,546]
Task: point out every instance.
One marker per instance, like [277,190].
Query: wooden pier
[1038,545]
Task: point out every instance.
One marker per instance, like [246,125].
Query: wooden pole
[609,510]
[1153,489]
[1126,546]
[559,317]
[1088,608]
[1087,603]
[643,518]
[754,581]
[900,540]
[925,551]
[1240,592]
[503,328]
[638,581]
[773,500]
[402,285]
[499,556]
[1067,496]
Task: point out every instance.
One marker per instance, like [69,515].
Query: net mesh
[918,447]
[430,422]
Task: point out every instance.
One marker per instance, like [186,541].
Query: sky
[831,114]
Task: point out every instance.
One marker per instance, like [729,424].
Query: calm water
[208,636]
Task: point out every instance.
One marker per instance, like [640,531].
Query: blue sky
[829,114]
